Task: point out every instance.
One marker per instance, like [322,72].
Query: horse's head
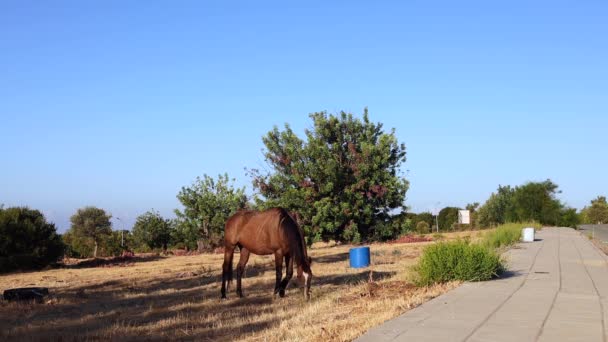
[305,277]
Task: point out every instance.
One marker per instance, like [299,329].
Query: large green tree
[569,218]
[447,217]
[27,240]
[91,224]
[498,209]
[535,201]
[207,205]
[597,212]
[152,230]
[340,181]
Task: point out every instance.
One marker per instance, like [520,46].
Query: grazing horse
[272,231]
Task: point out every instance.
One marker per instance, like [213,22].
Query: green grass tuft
[457,260]
[506,235]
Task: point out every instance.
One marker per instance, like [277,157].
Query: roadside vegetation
[464,260]
[457,260]
[506,235]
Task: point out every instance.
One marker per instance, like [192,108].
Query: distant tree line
[341,181]
[533,201]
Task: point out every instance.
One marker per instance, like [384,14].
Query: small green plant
[396,252]
[457,260]
[422,227]
[438,236]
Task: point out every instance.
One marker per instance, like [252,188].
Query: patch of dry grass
[178,298]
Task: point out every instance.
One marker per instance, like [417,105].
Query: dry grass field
[177,298]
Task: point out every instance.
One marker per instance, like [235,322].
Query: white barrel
[528,234]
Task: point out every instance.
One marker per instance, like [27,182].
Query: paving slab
[556,290]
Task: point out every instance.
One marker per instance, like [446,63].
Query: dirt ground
[178,298]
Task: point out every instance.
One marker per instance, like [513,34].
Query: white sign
[464,217]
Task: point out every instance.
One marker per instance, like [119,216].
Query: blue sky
[119,104]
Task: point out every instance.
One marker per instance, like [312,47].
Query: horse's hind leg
[278,264]
[288,275]
[227,268]
[240,268]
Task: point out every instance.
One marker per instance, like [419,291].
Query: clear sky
[119,104]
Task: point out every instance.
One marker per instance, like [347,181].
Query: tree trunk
[95,250]
[206,229]
[201,245]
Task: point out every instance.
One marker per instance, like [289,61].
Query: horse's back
[256,230]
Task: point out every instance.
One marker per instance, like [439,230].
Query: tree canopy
[597,212]
[91,224]
[447,217]
[340,181]
[152,230]
[207,205]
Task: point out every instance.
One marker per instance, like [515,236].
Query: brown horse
[267,232]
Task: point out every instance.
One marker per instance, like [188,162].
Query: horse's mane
[295,236]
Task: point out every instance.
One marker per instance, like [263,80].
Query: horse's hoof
[282,293]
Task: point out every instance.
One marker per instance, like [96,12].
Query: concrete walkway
[556,290]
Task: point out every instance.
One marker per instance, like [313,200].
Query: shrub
[77,246]
[506,234]
[111,245]
[422,227]
[407,226]
[457,260]
[27,240]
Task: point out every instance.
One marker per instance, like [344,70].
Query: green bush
[77,246]
[422,227]
[506,235]
[27,240]
[457,260]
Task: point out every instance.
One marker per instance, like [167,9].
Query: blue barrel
[359,257]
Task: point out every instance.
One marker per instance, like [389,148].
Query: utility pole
[437,222]
[437,215]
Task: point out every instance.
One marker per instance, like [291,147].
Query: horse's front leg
[278,263]
[288,275]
